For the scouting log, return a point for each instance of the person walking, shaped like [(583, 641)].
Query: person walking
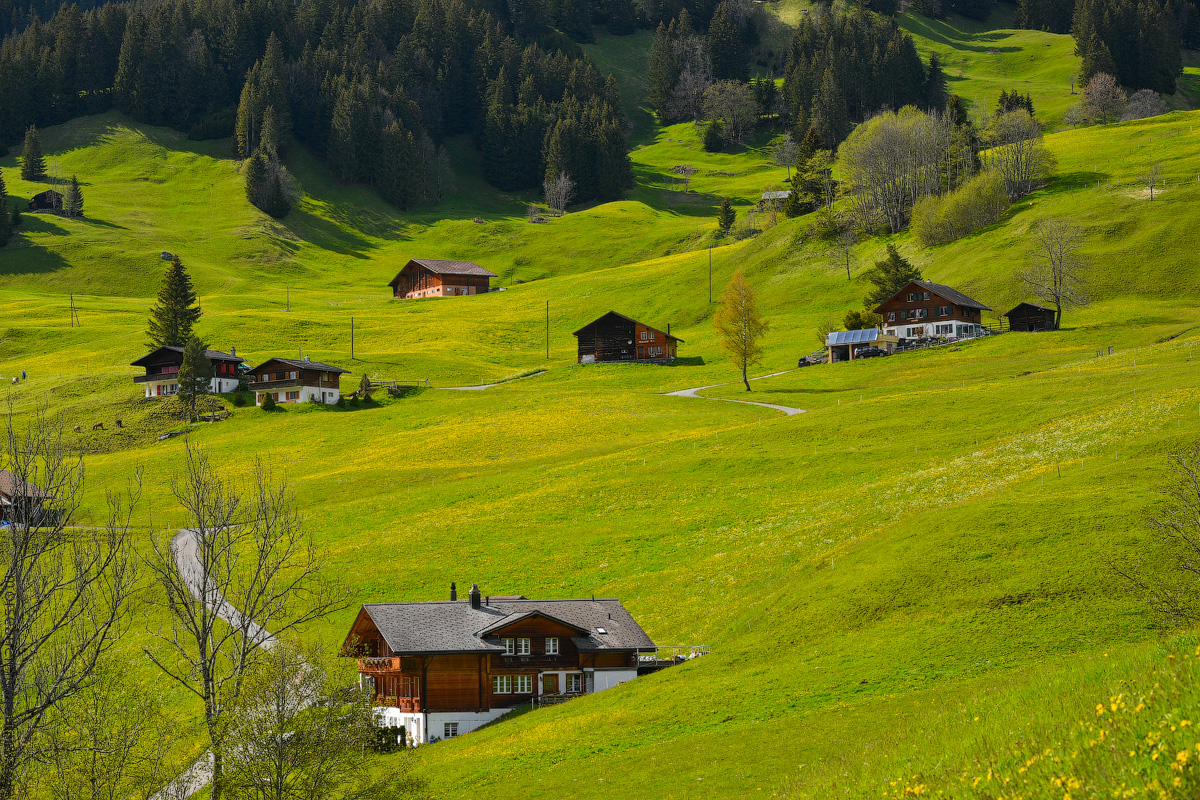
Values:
[(23, 375)]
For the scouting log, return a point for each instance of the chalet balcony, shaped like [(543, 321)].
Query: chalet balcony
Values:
[(379, 664), (158, 376), (272, 386), (408, 704)]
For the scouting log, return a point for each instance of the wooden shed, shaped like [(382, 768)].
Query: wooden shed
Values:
[(616, 337), (1031, 317), (49, 200)]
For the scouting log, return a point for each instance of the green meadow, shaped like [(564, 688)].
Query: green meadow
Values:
[(908, 588)]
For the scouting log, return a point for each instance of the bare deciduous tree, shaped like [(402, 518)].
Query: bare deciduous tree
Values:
[(1075, 115), (244, 569), (1152, 177), (739, 325), (1105, 97), (1144, 103), (695, 76), (305, 731), (1057, 273), (63, 592), (1175, 591), (786, 153), (559, 191), (733, 103), (1016, 152), (842, 252)]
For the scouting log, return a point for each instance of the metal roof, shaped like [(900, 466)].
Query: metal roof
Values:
[(446, 267), (853, 337), (452, 626), (783, 195)]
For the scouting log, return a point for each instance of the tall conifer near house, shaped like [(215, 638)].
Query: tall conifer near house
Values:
[(33, 164), (177, 309), (195, 374), (73, 202), (6, 226)]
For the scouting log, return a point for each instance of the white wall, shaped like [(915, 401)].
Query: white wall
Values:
[(414, 724), (218, 385), (608, 678)]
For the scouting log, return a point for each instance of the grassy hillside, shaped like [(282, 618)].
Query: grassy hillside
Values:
[(908, 584)]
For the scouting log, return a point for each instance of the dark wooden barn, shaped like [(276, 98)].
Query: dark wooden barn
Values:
[(1031, 317), (616, 337), (49, 200)]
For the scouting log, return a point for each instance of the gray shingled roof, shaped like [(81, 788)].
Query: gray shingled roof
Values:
[(12, 486), (299, 364), (452, 626), (447, 267), (953, 295), (1038, 306), (211, 355)]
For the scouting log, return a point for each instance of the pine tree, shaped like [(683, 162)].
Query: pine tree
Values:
[(195, 374), (793, 206), (172, 317), (6, 223), (935, 85), (73, 203), (725, 216), (889, 276), (829, 114), (1096, 59), (33, 165), (662, 72), (256, 176)]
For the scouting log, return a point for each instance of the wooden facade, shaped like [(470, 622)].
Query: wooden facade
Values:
[(1031, 317), (616, 337), (162, 371), (429, 277), (923, 309), (468, 662), (290, 380), (49, 200)]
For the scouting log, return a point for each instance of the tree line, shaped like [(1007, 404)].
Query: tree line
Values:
[(375, 87)]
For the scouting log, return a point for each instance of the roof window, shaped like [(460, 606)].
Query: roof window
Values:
[(601, 630)]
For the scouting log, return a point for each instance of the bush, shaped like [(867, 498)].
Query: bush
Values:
[(1143, 104), (714, 137), (268, 403), (976, 204), (239, 400)]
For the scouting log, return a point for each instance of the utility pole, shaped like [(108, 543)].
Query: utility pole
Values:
[(352, 338), (547, 330), (74, 313), (289, 298)]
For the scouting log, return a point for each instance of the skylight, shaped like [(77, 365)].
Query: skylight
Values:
[(601, 630)]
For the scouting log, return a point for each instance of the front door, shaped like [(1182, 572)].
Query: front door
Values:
[(549, 684)]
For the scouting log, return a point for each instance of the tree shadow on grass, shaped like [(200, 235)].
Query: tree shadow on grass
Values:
[(20, 257), (323, 233), (943, 33)]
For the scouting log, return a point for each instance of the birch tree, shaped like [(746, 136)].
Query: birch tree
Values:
[(243, 570)]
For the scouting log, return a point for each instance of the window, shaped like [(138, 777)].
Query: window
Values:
[(551, 645), (891, 316), (601, 630), (508, 647), (922, 313), (501, 684), (643, 336), (575, 683), (522, 647), (924, 295), (292, 375), (524, 684), (912, 296), (652, 336), (293, 395), (450, 729), (943, 311)]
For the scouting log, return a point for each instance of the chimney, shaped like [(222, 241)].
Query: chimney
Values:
[(453, 592), (233, 351), (668, 329), (306, 358), (474, 595)]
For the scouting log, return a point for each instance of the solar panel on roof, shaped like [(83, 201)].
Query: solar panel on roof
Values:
[(853, 337)]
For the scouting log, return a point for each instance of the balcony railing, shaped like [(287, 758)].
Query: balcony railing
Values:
[(408, 704), (379, 664)]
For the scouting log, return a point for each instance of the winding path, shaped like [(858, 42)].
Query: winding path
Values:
[(695, 393), (483, 386), (183, 547)]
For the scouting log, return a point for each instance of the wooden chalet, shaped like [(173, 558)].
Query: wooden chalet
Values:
[(924, 310), (162, 370), (441, 669), (432, 277), (290, 380), (616, 337), (1031, 317), (20, 501), (49, 200)]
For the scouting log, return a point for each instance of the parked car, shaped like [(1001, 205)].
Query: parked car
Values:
[(870, 352), (806, 362)]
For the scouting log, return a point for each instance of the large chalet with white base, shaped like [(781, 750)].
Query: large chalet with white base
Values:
[(162, 371), (441, 669), (291, 380), (927, 310)]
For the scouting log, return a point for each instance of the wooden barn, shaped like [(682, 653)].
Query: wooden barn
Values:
[(1031, 317), (433, 277), (49, 200), (616, 337), (20, 501), (440, 669)]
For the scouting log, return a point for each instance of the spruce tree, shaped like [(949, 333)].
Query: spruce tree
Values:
[(662, 72), (33, 164), (829, 114), (172, 317), (890, 275), (935, 85), (725, 47), (195, 374), (73, 203), (725, 216), (256, 176)]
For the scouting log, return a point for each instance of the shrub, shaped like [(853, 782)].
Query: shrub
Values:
[(268, 403), (978, 203), (1144, 103), (714, 136), (239, 400)]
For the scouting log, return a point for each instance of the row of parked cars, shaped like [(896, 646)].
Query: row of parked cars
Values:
[(866, 351)]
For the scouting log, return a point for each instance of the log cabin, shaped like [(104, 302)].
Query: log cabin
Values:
[(49, 200), (20, 500), (616, 337), (290, 380), (162, 371), (1031, 317), (440, 669), (433, 277), (924, 310)]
